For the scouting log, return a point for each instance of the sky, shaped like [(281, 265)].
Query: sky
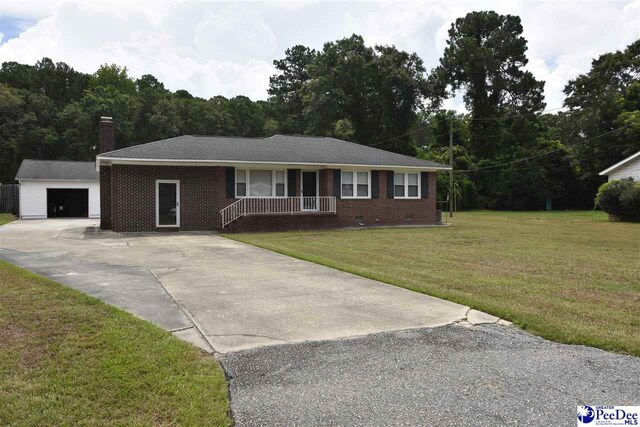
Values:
[(227, 48)]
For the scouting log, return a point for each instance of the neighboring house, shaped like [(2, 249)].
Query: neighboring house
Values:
[(256, 184), (628, 168), (55, 189)]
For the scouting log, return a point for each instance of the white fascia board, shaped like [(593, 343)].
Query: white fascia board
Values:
[(57, 180), (243, 163), (617, 165)]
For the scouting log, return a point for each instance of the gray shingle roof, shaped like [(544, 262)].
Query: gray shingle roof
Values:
[(278, 148), (57, 169)]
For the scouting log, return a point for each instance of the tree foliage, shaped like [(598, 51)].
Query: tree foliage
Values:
[(508, 153), (51, 111), (286, 87), (485, 56), (606, 100), (350, 90)]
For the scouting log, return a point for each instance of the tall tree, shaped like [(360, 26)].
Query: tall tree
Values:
[(402, 87), (152, 124), (364, 94), (485, 56), (285, 87), (606, 100), (19, 76), (341, 87), (26, 129), (247, 116), (58, 80), (79, 121), (114, 76)]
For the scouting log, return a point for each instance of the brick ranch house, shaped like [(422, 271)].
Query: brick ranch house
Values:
[(259, 184)]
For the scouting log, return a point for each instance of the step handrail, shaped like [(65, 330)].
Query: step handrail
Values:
[(234, 211)]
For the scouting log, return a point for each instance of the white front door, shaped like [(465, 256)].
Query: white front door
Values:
[(167, 203)]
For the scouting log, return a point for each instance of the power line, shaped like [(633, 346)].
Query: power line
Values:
[(472, 119), (410, 133), (516, 115), (548, 162), (541, 162), (547, 153)]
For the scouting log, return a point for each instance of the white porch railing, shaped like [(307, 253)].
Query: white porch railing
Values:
[(248, 206)]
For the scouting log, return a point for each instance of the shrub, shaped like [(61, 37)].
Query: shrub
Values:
[(630, 200), (620, 198)]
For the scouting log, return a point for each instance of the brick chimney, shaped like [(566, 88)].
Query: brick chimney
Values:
[(106, 135)]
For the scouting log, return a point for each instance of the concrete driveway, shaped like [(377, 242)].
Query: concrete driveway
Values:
[(238, 296), (353, 351)]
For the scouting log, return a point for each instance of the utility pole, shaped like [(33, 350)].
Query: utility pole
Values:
[(451, 165)]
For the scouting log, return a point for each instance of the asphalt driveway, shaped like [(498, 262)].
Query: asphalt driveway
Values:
[(487, 375)]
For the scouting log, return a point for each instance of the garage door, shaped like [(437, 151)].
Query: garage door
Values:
[(67, 202)]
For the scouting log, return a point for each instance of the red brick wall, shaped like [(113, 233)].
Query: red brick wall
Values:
[(326, 182), (105, 197), (314, 221), (106, 136), (203, 195), (382, 211), (133, 196)]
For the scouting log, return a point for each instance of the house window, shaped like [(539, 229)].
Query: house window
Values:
[(412, 185), (241, 183), (260, 183), (406, 185), (347, 184), (398, 185), (280, 191), (362, 184), (356, 185)]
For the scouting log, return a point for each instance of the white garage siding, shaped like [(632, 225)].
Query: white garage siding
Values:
[(33, 196), (628, 170)]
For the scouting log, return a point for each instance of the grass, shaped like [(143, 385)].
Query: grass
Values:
[(69, 359), (6, 218), (572, 277)]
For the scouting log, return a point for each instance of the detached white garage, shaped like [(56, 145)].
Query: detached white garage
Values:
[(58, 189), (628, 168)]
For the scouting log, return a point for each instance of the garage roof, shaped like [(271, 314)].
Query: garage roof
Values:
[(622, 163), (278, 149), (57, 170)]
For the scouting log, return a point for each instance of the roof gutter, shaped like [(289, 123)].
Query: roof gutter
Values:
[(196, 162)]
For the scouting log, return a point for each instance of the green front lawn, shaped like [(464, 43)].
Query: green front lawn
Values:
[(69, 359), (572, 277), (6, 218)]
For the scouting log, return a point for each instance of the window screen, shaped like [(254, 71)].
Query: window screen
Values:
[(260, 183)]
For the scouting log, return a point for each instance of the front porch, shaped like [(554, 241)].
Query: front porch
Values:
[(274, 206)]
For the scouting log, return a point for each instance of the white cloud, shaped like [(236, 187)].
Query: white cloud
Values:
[(27, 9), (234, 34), (564, 38), (218, 58), (212, 48)]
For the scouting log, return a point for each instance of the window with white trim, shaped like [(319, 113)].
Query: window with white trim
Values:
[(241, 183), (406, 185), (261, 183), (280, 184), (356, 185)]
